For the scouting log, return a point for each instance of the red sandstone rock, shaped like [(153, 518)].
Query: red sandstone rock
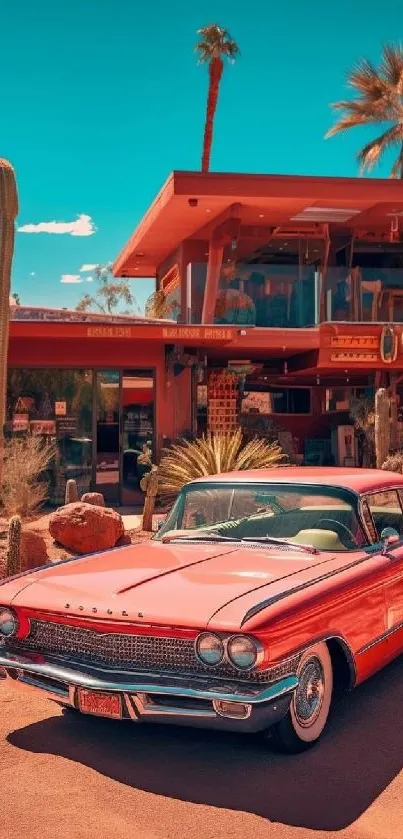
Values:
[(84, 528), (95, 498), (33, 550)]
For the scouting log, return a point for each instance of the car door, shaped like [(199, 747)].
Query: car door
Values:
[(386, 511)]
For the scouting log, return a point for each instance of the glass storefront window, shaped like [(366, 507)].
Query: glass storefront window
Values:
[(57, 404), (296, 400)]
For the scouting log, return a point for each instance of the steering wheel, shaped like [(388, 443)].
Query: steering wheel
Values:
[(339, 526)]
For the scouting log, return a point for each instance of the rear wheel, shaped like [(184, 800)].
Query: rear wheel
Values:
[(310, 705)]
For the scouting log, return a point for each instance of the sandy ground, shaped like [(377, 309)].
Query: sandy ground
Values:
[(73, 777)]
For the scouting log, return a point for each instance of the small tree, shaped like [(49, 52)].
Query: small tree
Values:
[(110, 295)]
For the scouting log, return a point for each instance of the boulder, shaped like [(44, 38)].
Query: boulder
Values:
[(85, 528), (33, 550), (95, 498)]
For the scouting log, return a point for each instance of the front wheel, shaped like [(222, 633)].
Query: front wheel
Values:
[(310, 705)]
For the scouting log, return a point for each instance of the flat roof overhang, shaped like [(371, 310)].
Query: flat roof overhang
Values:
[(266, 200)]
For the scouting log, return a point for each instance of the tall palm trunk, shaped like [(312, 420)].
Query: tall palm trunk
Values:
[(216, 67), (8, 212)]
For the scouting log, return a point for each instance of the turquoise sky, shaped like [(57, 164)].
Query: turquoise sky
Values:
[(100, 100)]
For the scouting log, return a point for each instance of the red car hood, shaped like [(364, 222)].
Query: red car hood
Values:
[(176, 584)]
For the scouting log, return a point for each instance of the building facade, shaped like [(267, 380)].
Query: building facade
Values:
[(279, 308), (303, 277)]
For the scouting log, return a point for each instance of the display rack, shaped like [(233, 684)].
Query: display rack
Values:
[(223, 402)]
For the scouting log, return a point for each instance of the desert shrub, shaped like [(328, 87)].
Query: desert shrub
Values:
[(24, 486), (394, 462), (211, 454)]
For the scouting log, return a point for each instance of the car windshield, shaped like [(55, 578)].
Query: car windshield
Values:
[(323, 517)]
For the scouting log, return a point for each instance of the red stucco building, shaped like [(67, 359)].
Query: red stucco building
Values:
[(280, 301)]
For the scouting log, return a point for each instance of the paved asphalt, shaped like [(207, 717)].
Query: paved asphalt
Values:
[(68, 777)]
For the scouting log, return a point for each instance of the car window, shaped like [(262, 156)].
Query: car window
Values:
[(321, 516), (386, 511)]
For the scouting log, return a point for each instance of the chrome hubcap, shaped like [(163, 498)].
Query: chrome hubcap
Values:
[(309, 695)]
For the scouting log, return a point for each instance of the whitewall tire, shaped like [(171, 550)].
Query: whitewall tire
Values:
[(310, 704)]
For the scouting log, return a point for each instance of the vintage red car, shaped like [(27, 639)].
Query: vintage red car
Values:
[(263, 595)]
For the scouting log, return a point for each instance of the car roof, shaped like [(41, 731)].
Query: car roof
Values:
[(358, 480)]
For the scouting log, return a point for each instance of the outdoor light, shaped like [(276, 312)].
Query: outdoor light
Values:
[(209, 649), (8, 623), (243, 652)]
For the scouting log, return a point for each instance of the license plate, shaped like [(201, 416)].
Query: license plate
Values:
[(100, 704)]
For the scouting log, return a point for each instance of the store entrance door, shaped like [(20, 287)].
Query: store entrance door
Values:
[(137, 437), (107, 395), (124, 431)]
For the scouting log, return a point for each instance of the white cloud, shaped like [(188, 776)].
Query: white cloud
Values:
[(85, 268), (70, 278), (82, 226), (33, 274)]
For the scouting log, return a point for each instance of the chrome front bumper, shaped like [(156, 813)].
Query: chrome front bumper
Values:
[(157, 697)]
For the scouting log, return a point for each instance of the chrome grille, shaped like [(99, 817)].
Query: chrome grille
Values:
[(131, 652)]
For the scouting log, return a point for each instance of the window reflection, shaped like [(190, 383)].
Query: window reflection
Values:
[(56, 404)]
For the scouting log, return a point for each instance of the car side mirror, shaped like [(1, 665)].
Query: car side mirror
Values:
[(389, 537)]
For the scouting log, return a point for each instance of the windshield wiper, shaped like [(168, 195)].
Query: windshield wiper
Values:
[(270, 540), (197, 535), (207, 536)]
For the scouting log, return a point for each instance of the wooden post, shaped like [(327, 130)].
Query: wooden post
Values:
[(221, 236), (394, 436), (149, 501), (382, 426), (214, 264)]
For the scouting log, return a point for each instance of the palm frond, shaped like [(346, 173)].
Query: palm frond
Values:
[(366, 79), (215, 42), (379, 100), (392, 65), (371, 154)]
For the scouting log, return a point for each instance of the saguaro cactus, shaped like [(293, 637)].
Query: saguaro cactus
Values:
[(71, 492), (13, 556), (382, 426), (8, 212)]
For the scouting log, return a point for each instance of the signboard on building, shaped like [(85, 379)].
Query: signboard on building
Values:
[(43, 427), (60, 409), (66, 426), (20, 422)]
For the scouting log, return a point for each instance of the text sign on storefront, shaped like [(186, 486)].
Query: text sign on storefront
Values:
[(109, 332), (354, 348), (66, 426), (196, 333)]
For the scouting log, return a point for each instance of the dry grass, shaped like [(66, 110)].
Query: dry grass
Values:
[(24, 488), (394, 462), (212, 454)]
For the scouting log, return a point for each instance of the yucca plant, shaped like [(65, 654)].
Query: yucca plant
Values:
[(211, 454)]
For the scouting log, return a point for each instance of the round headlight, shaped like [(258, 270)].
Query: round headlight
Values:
[(8, 623), (242, 652), (209, 649)]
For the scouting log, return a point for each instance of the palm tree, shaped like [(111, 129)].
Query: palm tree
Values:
[(379, 102), (215, 42)]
